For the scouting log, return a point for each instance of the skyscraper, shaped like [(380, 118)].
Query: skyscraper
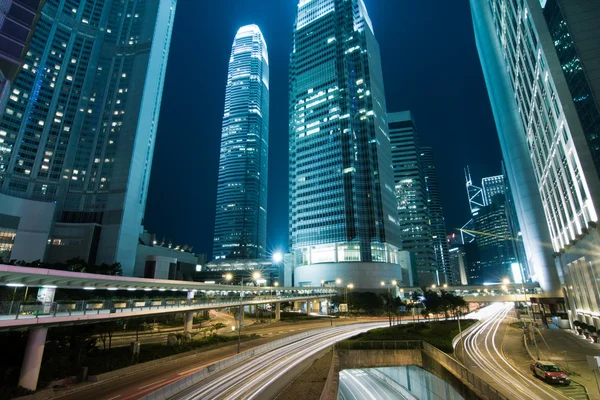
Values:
[(241, 217), (529, 119), (542, 72), (411, 195), (436, 217), (491, 186), (343, 218), (80, 125)]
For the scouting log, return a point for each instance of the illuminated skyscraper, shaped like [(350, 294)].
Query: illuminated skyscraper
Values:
[(411, 194), (343, 219), (80, 125), (241, 217), (436, 217), (540, 63)]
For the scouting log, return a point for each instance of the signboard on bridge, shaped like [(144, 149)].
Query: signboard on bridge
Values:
[(343, 307)]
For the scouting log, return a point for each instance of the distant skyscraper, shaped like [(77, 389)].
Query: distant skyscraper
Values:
[(80, 125), (494, 242), (411, 193), (436, 216), (241, 217), (343, 219), (540, 63), (491, 186)]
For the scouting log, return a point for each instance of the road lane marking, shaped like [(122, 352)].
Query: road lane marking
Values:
[(153, 383), (116, 397), (192, 369)]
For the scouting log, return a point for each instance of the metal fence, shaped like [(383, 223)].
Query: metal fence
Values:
[(380, 345), (29, 309), (462, 372)]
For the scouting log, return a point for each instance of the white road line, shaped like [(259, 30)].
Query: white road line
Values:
[(116, 397), (192, 369), (153, 383)]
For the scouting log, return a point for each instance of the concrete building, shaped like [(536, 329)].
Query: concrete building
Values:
[(343, 218), (436, 217), (80, 125), (241, 216), (411, 195), (161, 260), (541, 65)]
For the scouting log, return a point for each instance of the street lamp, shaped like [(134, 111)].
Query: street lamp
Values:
[(433, 286), (276, 284), (228, 277), (277, 257), (389, 299)]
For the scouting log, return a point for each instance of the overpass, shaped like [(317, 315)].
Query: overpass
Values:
[(37, 317)]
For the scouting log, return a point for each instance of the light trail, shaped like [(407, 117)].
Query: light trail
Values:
[(481, 350), (249, 379)]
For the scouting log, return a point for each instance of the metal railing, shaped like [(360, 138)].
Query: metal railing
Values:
[(28, 309), (380, 345), (462, 372)]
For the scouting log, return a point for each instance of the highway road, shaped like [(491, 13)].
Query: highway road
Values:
[(139, 384), (485, 357), (252, 378), (361, 384)]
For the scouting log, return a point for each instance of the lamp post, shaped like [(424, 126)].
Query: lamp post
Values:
[(350, 286), (393, 282), (507, 282), (229, 277)]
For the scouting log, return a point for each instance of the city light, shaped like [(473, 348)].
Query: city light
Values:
[(277, 257), (228, 276), (256, 275), (338, 281), (276, 284)]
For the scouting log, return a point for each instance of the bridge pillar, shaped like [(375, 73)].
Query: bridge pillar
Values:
[(240, 317), (316, 306), (307, 307), (189, 321), (30, 369), (296, 306), (326, 307), (277, 311)]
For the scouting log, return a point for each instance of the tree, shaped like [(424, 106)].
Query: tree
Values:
[(392, 305), (106, 330)]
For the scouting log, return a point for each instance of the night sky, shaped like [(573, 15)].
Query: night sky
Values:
[(430, 66)]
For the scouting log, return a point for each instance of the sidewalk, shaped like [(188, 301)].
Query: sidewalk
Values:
[(554, 342)]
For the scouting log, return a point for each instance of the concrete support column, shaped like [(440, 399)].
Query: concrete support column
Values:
[(277, 311), (30, 369), (326, 307), (296, 306), (316, 306), (307, 307), (189, 321)]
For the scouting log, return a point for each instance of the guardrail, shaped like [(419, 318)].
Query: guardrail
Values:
[(380, 345), (21, 309), (462, 372)]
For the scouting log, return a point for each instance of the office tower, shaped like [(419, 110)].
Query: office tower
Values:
[(343, 219), (80, 125), (411, 193), (491, 186), (436, 217), (241, 217), (540, 65), (494, 242)]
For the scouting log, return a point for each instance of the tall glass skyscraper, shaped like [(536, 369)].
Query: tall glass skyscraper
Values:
[(241, 217), (80, 125), (411, 194), (343, 219), (540, 63), (436, 217)]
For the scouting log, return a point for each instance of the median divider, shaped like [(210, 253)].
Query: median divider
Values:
[(181, 385)]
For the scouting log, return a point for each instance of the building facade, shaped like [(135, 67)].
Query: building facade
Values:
[(343, 218), (410, 186), (515, 47), (447, 274), (491, 186), (80, 125), (241, 216)]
